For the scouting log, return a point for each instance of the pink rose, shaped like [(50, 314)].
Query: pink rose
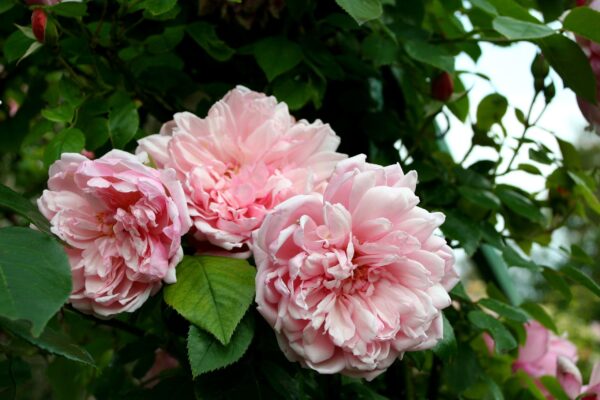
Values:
[(247, 156), (592, 390), (569, 378), (352, 279), (123, 222), (591, 112), (539, 355)]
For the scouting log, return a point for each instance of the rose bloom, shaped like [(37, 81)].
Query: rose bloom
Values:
[(244, 158), (591, 112), (569, 378), (352, 279), (592, 390), (123, 224), (539, 355)]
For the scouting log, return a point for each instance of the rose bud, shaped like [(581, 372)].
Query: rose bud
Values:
[(39, 20), (442, 87)]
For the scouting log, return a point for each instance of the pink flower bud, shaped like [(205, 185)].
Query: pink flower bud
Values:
[(87, 153), (568, 376), (442, 87), (38, 24)]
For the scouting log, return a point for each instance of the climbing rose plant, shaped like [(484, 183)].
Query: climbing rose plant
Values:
[(257, 199)]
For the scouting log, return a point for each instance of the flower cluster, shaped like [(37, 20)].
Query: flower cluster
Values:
[(351, 272), (546, 354)]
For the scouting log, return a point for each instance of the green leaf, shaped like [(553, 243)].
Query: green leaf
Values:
[(27, 31), (491, 110), (462, 228), (70, 140), (276, 55), (6, 5), (584, 21), (522, 379), (35, 276), (552, 9), (446, 347), (156, 7), (165, 41), (212, 293), (485, 5), (571, 157), (463, 370), (481, 197), (70, 9), (62, 113), (538, 313), (554, 387), (123, 119), (15, 202), (583, 189), (581, 278), (515, 29), (540, 155), (505, 310), (430, 54), (16, 45), (530, 168), (519, 203), (96, 132), (511, 8), (504, 340), (52, 341), (500, 271), (206, 36), (459, 105), (381, 49), (556, 281), (579, 255), (514, 259), (362, 10), (207, 354), (569, 61), (294, 92)]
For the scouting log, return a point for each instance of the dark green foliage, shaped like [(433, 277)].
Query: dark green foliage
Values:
[(112, 72)]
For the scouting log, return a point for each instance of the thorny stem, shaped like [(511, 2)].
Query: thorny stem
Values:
[(527, 124), (470, 37), (468, 153), (408, 382), (99, 27), (80, 81), (434, 380), (113, 323)]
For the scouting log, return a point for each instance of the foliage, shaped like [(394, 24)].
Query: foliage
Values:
[(111, 72)]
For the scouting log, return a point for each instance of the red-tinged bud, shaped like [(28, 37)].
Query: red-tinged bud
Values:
[(38, 24), (442, 87), (563, 191), (87, 153), (580, 2)]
